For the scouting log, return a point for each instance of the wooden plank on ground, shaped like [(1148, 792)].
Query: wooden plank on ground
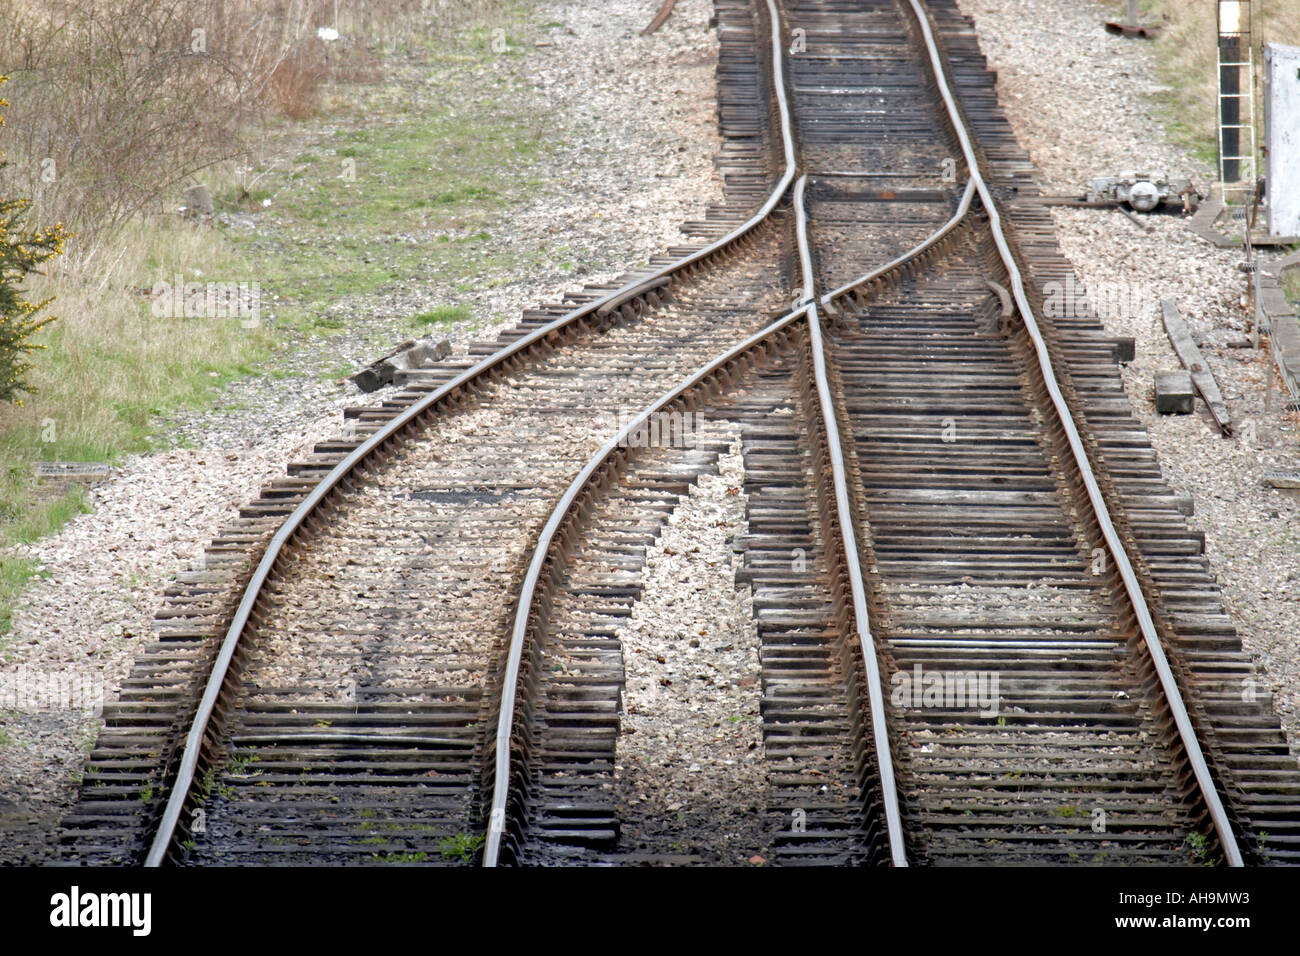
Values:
[(1191, 357), (664, 12)]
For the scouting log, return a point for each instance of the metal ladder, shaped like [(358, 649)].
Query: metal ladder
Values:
[(1236, 82)]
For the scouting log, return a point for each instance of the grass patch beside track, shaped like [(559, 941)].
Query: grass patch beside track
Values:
[(399, 179), (1185, 51), (410, 184)]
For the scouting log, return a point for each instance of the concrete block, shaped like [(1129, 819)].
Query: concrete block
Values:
[(1175, 394)]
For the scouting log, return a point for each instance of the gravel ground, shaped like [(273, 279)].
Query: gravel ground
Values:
[(690, 751), (626, 103), (1059, 74)]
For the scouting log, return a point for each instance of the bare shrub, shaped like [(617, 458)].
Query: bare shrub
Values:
[(116, 102), (293, 86), (113, 100)]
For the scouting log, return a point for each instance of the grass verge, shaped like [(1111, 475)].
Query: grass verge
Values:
[(14, 573), (397, 180), (109, 367), (1185, 53), (407, 185)]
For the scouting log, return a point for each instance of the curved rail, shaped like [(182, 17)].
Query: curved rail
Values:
[(519, 633), (1168, 682), (541, 551), (848, 538), (221, 667)]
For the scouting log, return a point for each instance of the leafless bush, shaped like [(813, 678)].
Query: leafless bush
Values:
[(115, 102), (112, 100)]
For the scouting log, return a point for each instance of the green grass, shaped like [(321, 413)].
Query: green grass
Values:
[(108, 367), (1186, 62), (14, 573), (461, 846), (419, 857), (235, 196), (443, 315), (408, 185), (441, 173), (53, 513), (437, 164), (1291, 284)]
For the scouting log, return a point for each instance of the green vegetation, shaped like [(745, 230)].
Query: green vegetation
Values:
[(402, 857), (1291, 284), (461, 846), (443, 315), (14, 573), (403, 180), (1200, 849), (242, 765), (21, 253), (109, 368), (1185, 51), (417, 192)]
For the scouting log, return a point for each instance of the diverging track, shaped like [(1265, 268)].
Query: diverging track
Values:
[(981, 631), (354, 661), (1037, 693)]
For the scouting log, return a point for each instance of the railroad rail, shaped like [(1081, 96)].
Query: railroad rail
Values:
[(730, 364), (519, 793), (627, 304), (636, 290), (1040, 547), (1065, 415)]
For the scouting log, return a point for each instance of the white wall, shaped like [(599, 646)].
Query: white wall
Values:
[(1282, 112)]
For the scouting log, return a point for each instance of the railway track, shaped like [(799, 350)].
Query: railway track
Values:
[(417, 644), (390, 696)]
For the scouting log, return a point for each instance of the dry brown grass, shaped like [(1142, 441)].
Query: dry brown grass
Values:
[(116, 103), (1186, 47), (112, 92)]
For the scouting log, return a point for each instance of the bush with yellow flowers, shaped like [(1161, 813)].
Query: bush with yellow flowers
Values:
[(21, 254)]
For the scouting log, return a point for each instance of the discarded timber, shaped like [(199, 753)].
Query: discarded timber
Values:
[(1194, 362)]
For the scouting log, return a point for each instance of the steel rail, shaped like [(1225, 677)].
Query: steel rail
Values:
[(541, 551), (180, 788), (519, 632), (848, 538), (1168, 682)]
